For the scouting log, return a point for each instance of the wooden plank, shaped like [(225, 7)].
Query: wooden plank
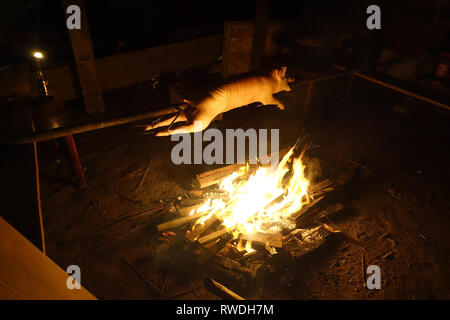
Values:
[(85, 61), (26, 273)]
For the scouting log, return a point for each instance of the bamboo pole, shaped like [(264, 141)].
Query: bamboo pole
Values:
[(89, 126), (395, 88)]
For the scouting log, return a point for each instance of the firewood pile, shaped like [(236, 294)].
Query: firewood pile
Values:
[(215, 252)]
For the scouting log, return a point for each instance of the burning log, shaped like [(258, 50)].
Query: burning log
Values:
[(213, 250), (185, 211), (318, 187), (306, 208), (275, 194), (179, 222), (199, 229), (213, 177), (212, 236), (266, 239), (231, 251)]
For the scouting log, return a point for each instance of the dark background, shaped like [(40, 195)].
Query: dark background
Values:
[(121, 26)]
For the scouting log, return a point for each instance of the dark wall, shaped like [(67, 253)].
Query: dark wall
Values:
[(119, 26)]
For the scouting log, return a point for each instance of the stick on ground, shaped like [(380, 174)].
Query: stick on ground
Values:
[(225, 290), (141, 182)]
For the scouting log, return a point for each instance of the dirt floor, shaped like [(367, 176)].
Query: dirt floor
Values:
[(396, 207)]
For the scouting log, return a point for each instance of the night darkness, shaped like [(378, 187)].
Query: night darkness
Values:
[(115, 157)]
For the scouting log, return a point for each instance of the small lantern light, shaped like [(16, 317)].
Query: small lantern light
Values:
[(38, 55)]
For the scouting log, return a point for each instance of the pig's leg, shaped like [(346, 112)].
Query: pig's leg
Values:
[(272, 100), (167, 122), (195, 126)]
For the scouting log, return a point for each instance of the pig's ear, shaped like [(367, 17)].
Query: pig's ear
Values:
[(279, 74)]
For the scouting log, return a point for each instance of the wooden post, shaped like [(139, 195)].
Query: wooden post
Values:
[(259, 33), (237, 48), (38, 194), (348, 89), (85, 60), (76, 160), (309, 92)]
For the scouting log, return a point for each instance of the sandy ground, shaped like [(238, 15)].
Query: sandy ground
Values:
[(397, 205)]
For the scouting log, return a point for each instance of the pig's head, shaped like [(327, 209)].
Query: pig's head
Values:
[(281, 80)]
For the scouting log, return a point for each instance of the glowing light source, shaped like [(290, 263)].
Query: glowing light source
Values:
[(38, 55), (262, 202)]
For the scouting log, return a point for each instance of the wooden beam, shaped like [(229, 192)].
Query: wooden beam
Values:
[(85, 61), (129, 68)]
